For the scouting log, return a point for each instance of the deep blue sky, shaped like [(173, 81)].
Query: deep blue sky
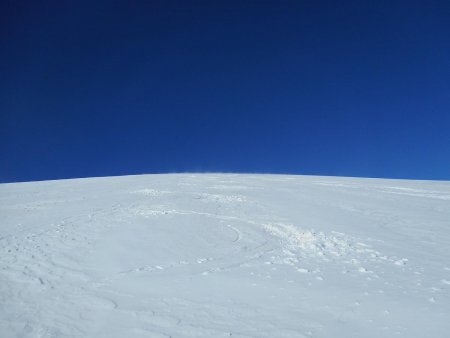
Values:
[(353, 88)]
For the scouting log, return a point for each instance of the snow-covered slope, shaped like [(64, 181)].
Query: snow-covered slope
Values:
[(218, 255)]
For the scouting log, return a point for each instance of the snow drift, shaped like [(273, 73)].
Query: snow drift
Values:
[(219, 255)]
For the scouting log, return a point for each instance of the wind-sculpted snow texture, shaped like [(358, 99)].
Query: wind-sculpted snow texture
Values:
[(220, 255)]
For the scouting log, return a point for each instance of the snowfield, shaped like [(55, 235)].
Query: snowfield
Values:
[(220, 255)]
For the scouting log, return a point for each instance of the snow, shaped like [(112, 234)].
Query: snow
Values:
[(220, 255)]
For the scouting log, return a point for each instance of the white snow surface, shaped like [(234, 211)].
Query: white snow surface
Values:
[(220, 255)]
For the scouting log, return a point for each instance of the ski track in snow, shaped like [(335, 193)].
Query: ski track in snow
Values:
[(219, 255)]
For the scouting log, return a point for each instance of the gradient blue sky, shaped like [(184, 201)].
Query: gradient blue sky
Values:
[(99, 88)]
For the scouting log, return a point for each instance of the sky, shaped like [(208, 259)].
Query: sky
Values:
[(344, 88)]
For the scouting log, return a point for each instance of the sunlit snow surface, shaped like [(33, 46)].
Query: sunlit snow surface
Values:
[(212, 255)]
